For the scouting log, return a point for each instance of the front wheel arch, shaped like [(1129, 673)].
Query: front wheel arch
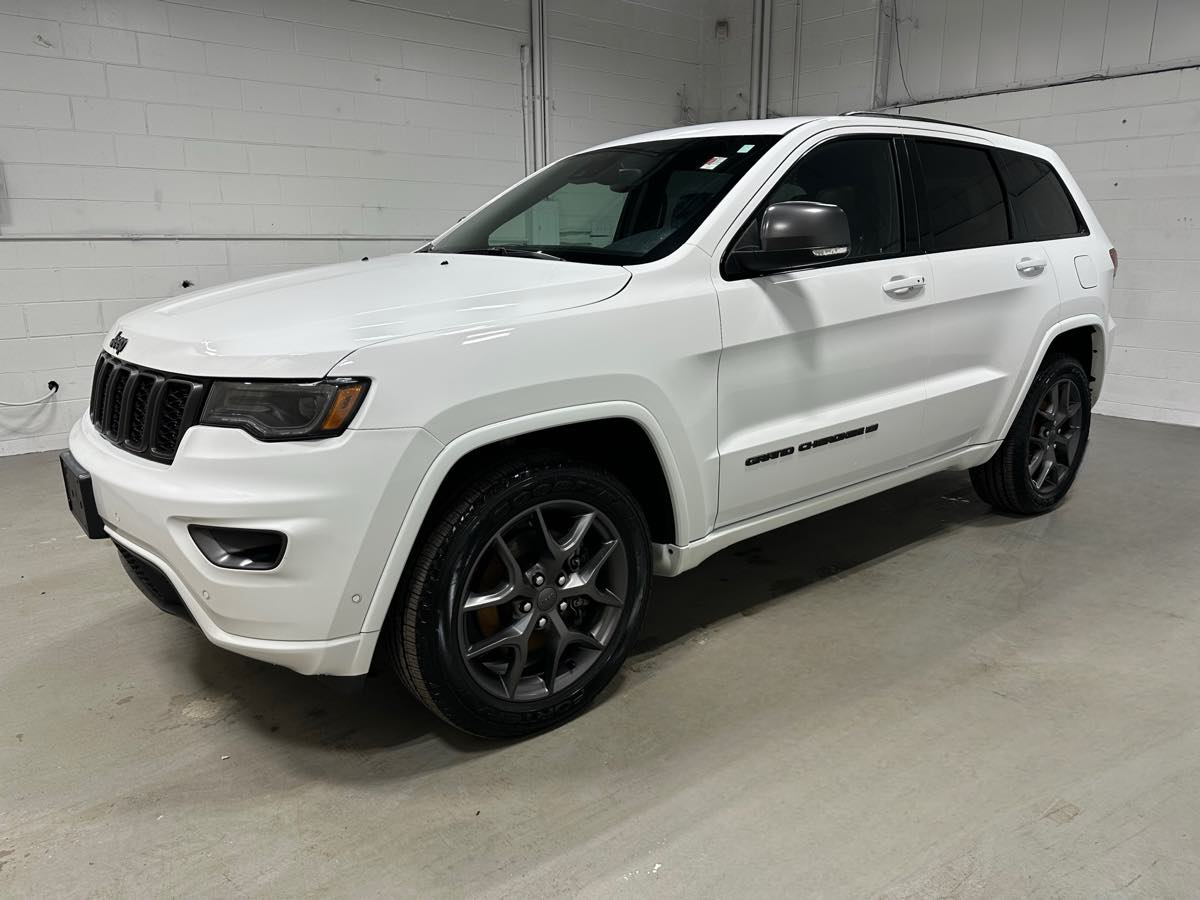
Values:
[(480, 443)]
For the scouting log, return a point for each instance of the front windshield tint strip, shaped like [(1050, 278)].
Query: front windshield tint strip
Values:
[(617, 206)]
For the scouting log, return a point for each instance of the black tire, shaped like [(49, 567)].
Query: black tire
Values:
[(430, 631), (1006, 481)]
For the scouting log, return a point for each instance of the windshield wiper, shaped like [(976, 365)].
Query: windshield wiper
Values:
[(504, 250)]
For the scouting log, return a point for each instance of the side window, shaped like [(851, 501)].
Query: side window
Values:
[(1042, 208), (963, 196), (857, 174)]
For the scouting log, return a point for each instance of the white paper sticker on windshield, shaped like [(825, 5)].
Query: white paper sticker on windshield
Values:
[(714, 162), (745, 148)]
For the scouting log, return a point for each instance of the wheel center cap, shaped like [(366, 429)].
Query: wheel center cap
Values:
[(546, 599)]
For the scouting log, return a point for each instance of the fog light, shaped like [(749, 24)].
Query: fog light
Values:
[(239, 548)]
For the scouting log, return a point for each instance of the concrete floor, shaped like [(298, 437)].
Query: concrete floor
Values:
[(908, 697)]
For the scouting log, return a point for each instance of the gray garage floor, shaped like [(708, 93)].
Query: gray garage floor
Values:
[(909, 697)]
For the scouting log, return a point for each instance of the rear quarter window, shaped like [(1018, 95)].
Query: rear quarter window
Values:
[(1042, 207)]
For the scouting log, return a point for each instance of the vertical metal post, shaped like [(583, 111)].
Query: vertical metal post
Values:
[(764, 61), (527, 105), (755, 55), (796, 26), (538, 89), (760, 59)]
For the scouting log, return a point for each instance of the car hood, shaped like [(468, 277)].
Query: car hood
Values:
[(300, 324)]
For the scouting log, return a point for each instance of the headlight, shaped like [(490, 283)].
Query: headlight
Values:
[(285, 411)]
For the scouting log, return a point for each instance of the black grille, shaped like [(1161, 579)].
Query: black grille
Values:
[(141, 410), (153, 583)]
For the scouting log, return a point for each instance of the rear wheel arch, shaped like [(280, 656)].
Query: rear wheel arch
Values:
[(1080, 336), (1086, 344)]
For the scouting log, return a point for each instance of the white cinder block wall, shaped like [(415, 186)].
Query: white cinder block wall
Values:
[(831, 70), (260, 135), (726, 61), (1131, 137), (834, 70), (621, 68), (1132, 141)]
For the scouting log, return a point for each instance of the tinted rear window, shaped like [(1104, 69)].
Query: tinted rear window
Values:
[(1042, 208), (964, 199)]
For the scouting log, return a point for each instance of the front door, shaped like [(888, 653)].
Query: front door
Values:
[(822, 375)]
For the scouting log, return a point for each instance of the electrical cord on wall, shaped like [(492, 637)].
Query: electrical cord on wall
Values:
[(53, 385)]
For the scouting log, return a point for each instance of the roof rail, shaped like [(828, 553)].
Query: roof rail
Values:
[(882, 115)]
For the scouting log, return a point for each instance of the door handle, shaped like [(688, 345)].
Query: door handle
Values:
[(1031, 265), (902, 284)]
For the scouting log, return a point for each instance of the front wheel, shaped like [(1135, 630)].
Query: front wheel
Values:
[(524, 597), (1038, 460)]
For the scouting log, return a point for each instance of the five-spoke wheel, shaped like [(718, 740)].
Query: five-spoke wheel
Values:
[(1054, 437), (542, 600), (1036, 463), (523, 596)]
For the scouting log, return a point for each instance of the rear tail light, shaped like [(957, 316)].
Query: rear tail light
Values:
[(1112, 254)]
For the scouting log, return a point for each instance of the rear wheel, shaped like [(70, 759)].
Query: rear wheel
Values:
[(1038, 460), (524, 598)]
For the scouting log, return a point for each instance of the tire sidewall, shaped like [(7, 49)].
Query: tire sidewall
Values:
[(437, 636)]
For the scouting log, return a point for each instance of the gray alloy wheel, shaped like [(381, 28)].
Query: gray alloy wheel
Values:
[(523, 596), (1039, 459), (1054, 439), (542, 600)]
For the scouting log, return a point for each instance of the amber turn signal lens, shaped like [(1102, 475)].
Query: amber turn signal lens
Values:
[(343, 406)]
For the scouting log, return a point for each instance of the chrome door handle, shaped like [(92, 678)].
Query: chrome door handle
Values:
[(902, 284), (1031, 265)]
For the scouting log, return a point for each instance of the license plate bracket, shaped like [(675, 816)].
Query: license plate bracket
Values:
[(80, 497)]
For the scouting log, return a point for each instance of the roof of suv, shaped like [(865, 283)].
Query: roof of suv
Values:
[(784, 124)]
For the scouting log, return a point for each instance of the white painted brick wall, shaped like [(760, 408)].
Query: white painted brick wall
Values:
[(726, 87), (1132, 143), (836, 63), (354, 123), (622, 67), (831, 70), (954, 47)]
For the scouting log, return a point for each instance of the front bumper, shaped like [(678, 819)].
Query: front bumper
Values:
[(339, 501)]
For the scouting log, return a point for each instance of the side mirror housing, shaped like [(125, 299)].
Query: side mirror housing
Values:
[(794, 234)]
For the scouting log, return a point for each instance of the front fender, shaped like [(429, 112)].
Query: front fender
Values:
[(487, 435)]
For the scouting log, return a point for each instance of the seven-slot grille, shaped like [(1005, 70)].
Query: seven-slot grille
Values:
[(141, 410)]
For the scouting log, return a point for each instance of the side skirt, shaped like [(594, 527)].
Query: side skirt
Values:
[(672, 559)]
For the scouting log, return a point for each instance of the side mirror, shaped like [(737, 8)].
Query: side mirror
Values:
[(794, 234)]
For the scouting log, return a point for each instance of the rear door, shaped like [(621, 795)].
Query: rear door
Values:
[(1044, 211), (995, 295), (821, 381)]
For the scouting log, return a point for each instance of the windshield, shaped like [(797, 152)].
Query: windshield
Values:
[(620, 205)]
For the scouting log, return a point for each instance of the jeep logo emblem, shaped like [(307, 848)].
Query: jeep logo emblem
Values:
[(546, 599), (118, 342)]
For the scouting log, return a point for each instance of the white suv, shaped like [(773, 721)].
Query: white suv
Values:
[(468, 461)]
